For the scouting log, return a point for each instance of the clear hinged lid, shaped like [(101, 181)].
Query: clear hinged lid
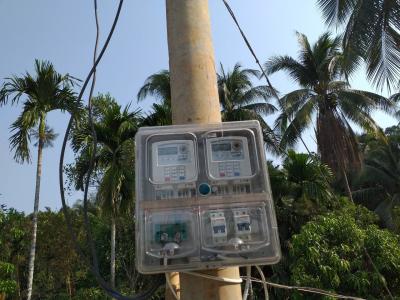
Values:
[(170, 233)]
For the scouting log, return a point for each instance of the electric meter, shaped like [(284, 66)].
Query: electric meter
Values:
[(228, 158), (203, 199), (173, 161)]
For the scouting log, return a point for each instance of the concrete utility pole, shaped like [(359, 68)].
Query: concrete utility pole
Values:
[(195, 100)]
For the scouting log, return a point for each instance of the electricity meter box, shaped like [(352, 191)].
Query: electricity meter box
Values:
[(203, 198)]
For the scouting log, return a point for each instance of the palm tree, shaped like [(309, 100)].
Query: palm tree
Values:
[(378, 185), (301, 187), (371, 32), (115, 130), (304, 173), (239, 99), (301, 190), (324, 94), (45, 91), (158, 86)]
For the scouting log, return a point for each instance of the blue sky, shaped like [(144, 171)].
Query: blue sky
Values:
[(63, 32)]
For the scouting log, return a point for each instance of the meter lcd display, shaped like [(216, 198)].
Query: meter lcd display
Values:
[(225, 152), (167, 151), (221, 147)]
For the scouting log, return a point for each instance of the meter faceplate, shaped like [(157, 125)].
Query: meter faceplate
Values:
[(173, 162), (228, 158), (203, 199)]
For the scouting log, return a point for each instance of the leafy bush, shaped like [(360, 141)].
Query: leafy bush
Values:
[(90, 293), (329, 254), (7, 285)]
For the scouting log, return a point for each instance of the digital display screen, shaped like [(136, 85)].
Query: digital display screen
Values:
[(221, 147), (227, 150), (167, 151)]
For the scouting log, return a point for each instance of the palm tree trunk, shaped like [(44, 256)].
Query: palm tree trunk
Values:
[(32, 251), (113, 235), (336, 144), (347, 185)]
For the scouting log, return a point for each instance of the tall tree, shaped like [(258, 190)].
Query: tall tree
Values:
[(371, 33), (327, 96), (115, 129), (43, 92)]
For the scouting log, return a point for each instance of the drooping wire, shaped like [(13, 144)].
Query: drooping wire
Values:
[(232, 14), (94, 145), (305, 289), (169, 285), (274, 93), (260, 271), (275, 285), (94, 267), (248, 283), (216, 278)]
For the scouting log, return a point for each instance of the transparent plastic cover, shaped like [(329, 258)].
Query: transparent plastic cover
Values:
[(203, 198)]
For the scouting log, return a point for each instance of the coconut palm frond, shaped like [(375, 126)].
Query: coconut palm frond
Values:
[(47, 138), (301, 120), (371, 34), (156, 85)]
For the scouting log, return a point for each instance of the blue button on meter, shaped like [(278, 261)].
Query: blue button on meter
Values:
[(204, 189)]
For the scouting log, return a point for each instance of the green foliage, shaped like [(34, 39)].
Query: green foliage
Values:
[(324, 94), (239, 98), (59, 271), (378, 185), (7, 285), (45, 91), (329, 253), (15, 229), (301, 189), (158, 86), (91, 293), (371, 33), (115, 129)]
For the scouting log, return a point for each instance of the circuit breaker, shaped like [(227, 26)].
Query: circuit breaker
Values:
[(203, 198)]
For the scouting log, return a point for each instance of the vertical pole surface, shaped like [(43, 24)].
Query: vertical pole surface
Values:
[(191, 61), (195, 100)]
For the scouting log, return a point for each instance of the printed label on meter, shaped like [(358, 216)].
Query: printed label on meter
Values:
[(228, 158), (173, 162)]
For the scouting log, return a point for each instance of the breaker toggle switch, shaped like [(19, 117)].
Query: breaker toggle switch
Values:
[(218, 227), (242, 223)]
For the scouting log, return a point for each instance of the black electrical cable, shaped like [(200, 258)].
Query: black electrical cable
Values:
[(94, 268), (275, 94), (94, 150)]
